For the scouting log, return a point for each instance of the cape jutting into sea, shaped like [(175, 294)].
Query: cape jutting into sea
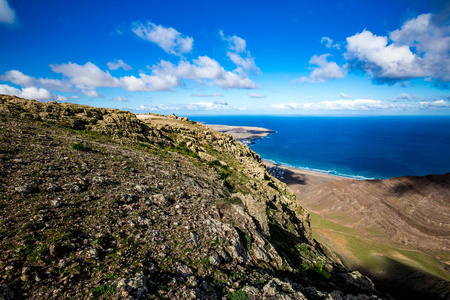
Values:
[(357, 147)]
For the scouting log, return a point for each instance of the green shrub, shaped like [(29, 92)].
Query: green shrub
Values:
[(103, 289), (238, 295), (81, 147)]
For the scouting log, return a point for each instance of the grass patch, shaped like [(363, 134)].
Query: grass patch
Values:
[(238, 295), (357, 251), (81, 147), (103, 289)]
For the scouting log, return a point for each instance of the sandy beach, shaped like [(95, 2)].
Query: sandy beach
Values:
[(301, 181)]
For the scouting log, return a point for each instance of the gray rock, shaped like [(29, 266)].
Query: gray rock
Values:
[(61, 263), (24, 189), (136, 285), (215, 260), (143, 188), (104, 181), (184, 270), (92, 253), (192, 281), (9, 268), (161, 199), (56, 202), (358, 280), (206, 157), (53, 188), (73, 187), (127, 198)]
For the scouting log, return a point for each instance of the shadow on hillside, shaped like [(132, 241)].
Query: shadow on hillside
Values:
[(290, 176), (405, 282)]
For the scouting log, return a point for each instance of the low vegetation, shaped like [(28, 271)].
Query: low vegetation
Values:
[(98, 204)]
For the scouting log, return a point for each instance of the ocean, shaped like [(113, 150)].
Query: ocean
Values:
[(356, 147)]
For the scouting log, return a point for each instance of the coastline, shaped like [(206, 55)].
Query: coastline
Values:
[(249, 134), (302, 181)]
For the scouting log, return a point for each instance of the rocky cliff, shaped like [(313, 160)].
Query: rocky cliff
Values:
[(96, 203)]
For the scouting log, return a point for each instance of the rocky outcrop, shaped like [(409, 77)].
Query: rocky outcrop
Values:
[(97, 204)]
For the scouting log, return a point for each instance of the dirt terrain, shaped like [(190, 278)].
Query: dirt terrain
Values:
[(396, 230)]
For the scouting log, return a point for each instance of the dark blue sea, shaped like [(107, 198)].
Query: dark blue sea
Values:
[(357, 147)]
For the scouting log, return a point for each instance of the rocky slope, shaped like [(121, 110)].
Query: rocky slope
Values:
[(96, 204)]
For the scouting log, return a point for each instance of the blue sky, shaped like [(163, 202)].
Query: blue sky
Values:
[(230, 57)]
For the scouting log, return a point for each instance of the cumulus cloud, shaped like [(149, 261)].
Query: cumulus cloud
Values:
[(18, 78), (196, 106), (438, 104), (87, 76), (221, 102), (329, 43), (382, 61), (164, 76), (118, 64), (420, 48), (7, 14), (205, 70), (345, 96), (337, 105), (363, 105), (239, 55), (120, 99), (31, 93), (235, 43), (207, 95), (91, 93), (256, 95), (324, 71), (168, 38)]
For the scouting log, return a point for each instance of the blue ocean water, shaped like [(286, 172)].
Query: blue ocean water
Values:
[(358, 147)]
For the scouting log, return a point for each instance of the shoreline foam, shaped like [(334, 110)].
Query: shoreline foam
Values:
[(318, 171)]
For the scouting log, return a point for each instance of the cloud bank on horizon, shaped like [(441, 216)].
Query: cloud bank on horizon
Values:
[(405, 70)]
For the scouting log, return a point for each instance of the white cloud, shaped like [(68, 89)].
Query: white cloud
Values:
[(167, 38), (164, 76), (324, 71), (380, 60), (31, 93), (256, 95), (438, 104), (244, 65), (197, 106), (404, 96), (345, 96), (207, 95), (18, 78), (87, 76), (419, 49), (90, 93), (205, 70), (235, 43), (329, 43), (120, 99), (337, 105), (238, 54), (221, 102), (7, 14), (118, 64)]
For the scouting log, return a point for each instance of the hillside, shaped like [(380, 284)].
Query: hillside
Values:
[(96, 204), (396, 230)]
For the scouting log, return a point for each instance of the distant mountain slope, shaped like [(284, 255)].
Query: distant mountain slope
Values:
[(409, 210), (395, 230), (96, 204)]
